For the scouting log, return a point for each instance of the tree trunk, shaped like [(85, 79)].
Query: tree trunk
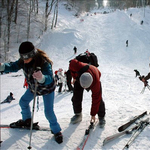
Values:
[(29, 22), (37, 6), (16, 12), (56, 14), (10, 8), (48, 10)]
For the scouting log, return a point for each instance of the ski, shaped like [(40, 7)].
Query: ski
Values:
[(25, 128), (86, 136), (140, 128), (126, 125), (115, 136)]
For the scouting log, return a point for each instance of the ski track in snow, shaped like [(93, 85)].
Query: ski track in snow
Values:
[(105, 35)]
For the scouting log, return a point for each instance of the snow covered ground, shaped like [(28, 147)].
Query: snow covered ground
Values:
[(105, 35)]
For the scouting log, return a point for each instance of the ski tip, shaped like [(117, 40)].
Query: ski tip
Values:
[(120, 129), (29, 147)]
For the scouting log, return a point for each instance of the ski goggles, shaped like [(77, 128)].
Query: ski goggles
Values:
[(28, 55)]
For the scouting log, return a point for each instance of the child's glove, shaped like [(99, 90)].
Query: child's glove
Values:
[(2, 66), (39, 76)]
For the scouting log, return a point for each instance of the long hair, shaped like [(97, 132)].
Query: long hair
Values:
[(40, 58)]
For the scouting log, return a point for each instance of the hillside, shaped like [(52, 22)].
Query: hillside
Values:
[(105, 35)]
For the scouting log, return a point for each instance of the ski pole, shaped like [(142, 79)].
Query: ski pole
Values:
[(140, 128), (29, 147), (32, 114), (132, 138)]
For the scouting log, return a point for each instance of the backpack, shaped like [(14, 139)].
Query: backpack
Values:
[(89, 58)]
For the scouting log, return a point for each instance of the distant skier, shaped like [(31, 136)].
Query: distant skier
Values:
[(56, 77), (126, 43), (61, 80), (145, 78), (75, 50), (9, 98), (69, 78), (87, 52), (142, 22)]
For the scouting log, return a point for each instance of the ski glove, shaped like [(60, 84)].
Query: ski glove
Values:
[(39, 76), (2, 67), (93, 119)]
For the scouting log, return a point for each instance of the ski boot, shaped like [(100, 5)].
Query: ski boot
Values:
[(24, 124), (76, 118), (102, 122), (58, 137)]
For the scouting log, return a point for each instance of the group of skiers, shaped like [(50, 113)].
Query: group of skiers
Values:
[(37, 68), (63, 80)]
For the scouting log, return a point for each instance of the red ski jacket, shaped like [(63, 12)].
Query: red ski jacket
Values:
[(95, 87)]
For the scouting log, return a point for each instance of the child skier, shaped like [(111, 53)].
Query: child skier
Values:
[(9, 98), (39, 81)]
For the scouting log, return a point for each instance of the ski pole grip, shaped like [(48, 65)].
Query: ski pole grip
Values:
[(38, 69)]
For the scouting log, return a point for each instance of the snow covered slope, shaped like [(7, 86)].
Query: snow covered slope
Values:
[(105, 35)]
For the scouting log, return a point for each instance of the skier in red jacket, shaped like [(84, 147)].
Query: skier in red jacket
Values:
[(87, 77)]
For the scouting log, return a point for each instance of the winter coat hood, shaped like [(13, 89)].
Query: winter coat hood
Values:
[(74, 67)]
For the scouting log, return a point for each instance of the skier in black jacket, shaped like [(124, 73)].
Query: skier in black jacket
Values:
[(69, 78)]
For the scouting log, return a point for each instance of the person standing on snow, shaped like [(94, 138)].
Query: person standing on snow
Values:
[(75, 50), (60, 80), (126, 43), (69, 78), (86, 77), (56, 78), (30, 59)]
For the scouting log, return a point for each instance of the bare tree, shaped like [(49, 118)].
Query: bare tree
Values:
[(16, 12), (0, 26), (33, 10), (21, 19), (54, 20), (3, 3), (29, 20), (10, 9), (37, 6), (48, 9)]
